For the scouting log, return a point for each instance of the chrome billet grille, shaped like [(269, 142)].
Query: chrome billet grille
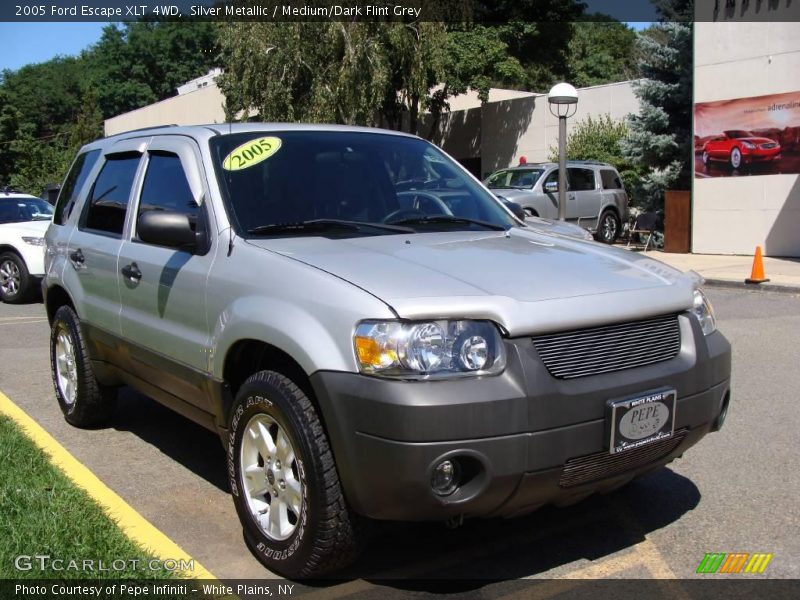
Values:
[(594, 467), (609, 348)]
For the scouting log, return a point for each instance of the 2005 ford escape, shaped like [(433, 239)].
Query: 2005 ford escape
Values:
[(370, 331)]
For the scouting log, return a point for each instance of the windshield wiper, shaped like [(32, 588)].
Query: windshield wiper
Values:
[(324, 225), (448, 219)]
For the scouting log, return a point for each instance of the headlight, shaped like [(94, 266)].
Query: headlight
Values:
[(429, 349), (704, 312), (33, 241), (748, 145)]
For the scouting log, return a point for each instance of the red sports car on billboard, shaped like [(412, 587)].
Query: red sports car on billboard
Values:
[(739, 148)]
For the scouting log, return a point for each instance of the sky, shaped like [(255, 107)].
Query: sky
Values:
[(25, 43)]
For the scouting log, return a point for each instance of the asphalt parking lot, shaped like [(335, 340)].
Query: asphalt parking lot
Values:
[(734, 492)]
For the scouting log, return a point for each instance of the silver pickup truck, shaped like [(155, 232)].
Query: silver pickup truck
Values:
[(370, 331)]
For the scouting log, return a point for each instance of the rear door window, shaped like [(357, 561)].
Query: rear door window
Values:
[(72, 185), (580, 180), (108, 200)]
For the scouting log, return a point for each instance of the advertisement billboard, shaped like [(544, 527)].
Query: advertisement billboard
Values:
[(747, 136)]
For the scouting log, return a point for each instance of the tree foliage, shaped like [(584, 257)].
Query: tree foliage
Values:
[(660, 138), (601, 51), (49, 110), (601, 139)]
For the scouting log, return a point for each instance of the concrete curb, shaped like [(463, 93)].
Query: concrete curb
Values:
[(760, 287)]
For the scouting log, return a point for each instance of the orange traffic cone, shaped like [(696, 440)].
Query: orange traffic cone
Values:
[(757, 274)]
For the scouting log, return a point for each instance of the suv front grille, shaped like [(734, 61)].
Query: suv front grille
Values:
[(600, 465), (609, 348)]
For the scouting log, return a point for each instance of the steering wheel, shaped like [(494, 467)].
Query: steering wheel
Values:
[(417, 198), (401, 214)]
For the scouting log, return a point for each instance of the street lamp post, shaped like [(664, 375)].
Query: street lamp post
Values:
[(563, 100)]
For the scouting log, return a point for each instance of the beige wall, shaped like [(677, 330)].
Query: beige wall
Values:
[(500, 132), (732, 215), (205, 105)]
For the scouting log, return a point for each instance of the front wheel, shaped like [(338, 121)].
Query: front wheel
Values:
[(284, 481), (736, 158), (608, 227)]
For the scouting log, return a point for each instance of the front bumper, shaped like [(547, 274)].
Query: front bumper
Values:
[(517, 435)]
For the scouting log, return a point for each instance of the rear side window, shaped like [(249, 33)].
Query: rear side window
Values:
[(580, 180), (166, 187), (108, 201), (72, 185), (611, 180)]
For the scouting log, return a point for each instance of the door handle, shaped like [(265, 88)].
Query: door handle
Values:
[(132, 272), (77, 258)]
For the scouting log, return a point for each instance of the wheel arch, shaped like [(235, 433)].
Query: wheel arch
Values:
[(251, 355), (55, 298)]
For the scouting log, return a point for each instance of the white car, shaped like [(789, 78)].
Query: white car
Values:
[(23, 222)]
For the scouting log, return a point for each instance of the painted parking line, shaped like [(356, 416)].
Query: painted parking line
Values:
[(22, 320), (132, 524)]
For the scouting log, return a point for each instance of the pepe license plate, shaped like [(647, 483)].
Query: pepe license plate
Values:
[(640, 421)]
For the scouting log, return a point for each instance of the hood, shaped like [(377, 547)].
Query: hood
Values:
[(524, 280), (558, 228), (32, 228), (513, 194), (758, 140)]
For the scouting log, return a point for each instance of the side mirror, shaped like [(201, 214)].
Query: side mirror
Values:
[(551, 187), (515, 208), (167, 228)]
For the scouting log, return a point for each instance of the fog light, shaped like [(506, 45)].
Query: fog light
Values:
[(444, 480)]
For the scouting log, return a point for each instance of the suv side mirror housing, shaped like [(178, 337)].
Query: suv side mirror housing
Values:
[(551, 187), (515, 208), (167, 228)]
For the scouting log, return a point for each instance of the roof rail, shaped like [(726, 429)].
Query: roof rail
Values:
[(588, 162), (142, 129)]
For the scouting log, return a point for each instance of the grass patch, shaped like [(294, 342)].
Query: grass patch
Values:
[(43, 513)]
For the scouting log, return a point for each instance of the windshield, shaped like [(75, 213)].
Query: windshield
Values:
[(20, 210), (343, 183), (514, 178), (738, 133)]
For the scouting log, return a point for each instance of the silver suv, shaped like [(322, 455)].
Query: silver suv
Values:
[(370, 331), (596, 196)]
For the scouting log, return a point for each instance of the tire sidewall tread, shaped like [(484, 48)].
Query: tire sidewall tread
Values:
[(325, 538), (94, 404)]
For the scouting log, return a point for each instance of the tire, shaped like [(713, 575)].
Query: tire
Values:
[(84, 402), (15, 281), (530, 212), (705, 157), (736, 159), (314, 532), (608, 227)]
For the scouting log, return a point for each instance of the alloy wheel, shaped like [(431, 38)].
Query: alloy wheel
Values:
[(609, 228), (66, 369), (270, 477), (736, 158), (9, 278)]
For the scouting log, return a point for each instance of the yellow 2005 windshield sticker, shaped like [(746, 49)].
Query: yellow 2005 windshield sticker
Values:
[(251, 153)]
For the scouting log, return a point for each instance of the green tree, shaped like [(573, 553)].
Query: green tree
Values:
[(601, 139), (355, 73), (141, 62), (601, 51), (660, 138), (38, 162)]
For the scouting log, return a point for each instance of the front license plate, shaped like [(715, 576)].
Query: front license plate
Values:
[(639, 421)]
